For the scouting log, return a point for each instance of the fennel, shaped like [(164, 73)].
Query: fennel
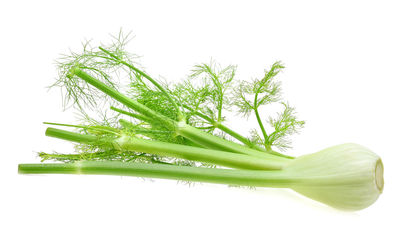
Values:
[(179, 131)]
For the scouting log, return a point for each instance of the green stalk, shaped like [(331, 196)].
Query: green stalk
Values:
[(151, 132), (136, 116), (247, 142), (210, 141), (127, 143), (154, 170), (154, 82), (71, 136), (234, 134), (264, 132), (237, 136), (225, 129), (97, 128), (122, 98)]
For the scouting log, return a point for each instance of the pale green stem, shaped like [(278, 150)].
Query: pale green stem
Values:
[(154, 82), (126, 143), (264, 132), (210, 141), (122, 98), (136, 116), (225, 129), (164, 171)]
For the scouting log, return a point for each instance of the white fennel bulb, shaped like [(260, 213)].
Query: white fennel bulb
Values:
[(347, 176)]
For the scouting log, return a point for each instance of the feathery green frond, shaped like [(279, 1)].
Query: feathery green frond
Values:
[(220, 79), (284, 125), (199, 100), (251, 95)]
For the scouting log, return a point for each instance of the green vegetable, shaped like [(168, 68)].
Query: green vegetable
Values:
[(179, 132)]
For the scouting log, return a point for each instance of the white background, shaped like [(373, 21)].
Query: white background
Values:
[(342, 75)]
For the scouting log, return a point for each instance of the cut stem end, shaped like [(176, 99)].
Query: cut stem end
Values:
[(379, 175)]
